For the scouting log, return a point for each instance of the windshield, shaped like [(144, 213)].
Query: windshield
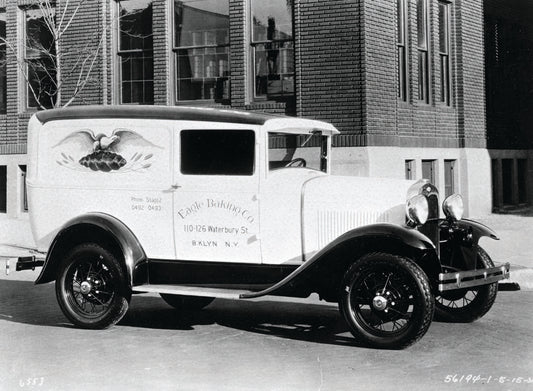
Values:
[(297, 151)]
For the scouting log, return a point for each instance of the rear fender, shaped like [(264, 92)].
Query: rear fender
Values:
[(102, 229), (323, 272)]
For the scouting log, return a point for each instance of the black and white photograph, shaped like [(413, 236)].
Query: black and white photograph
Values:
[(266, 195)]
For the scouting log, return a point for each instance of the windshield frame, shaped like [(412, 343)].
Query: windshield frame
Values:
[(302, 139)]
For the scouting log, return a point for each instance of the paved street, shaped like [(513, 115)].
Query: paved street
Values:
[(265, 345)]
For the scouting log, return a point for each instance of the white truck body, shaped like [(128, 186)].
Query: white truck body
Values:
[(281, 216)]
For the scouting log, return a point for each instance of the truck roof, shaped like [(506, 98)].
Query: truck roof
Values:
[(156, 112)]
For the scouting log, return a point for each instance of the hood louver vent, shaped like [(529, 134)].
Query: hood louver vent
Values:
[(332, 224)]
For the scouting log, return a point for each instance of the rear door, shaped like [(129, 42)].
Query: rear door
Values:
[(216, 205)]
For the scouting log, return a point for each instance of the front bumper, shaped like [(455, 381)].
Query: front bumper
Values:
[(472, 278)]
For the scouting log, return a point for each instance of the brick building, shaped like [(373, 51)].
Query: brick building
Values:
[(403, 80)]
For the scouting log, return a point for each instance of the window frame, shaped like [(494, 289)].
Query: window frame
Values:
[(252, 48), (24, 78), (402, 50), (450, 166), (118, 53), (445, 56), (433, 170), (174, 53), (423, 51), (23, 187), (215, 130), (410, 169)]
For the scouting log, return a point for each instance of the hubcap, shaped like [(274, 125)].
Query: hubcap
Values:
[(85, 287), (379, 303)]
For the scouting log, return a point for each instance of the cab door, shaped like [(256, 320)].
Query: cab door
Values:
[(216, 205)]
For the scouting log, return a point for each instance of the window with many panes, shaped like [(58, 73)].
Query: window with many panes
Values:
[(444, 52), (423, 50), (401, 7), (135, 51), (3, 79), (39, 57), (201, 50), (272, 44)]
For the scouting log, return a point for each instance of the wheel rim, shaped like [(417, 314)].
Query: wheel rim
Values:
[(383, 301), (459, 300), (90, 287)]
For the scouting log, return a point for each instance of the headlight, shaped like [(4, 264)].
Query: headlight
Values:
[(453, 207), (417, 209)]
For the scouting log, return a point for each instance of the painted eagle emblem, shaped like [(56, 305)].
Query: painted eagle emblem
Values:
[(106, 152)]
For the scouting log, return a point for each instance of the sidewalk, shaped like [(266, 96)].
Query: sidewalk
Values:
[(515, 230)]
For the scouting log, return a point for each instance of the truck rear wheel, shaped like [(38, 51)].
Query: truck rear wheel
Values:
[(386, 301), (91, 287), (467, 305)]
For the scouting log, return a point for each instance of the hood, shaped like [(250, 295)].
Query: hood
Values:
[(333, 205)]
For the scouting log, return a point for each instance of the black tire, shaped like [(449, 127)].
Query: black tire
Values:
[(91, 287), (187, 303), (464, 305), (386, 301)]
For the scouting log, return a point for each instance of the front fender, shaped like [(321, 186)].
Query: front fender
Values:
[(478, 230), (100, 228), (460, 241), (325, 269)]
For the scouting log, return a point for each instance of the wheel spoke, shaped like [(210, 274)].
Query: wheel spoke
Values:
[(99, 301), (386, 282), (405, 315)]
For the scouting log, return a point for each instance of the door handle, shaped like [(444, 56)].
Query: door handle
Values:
[(175, 186)]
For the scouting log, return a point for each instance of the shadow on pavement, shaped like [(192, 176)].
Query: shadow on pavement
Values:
[(24, 302), (305, 322)]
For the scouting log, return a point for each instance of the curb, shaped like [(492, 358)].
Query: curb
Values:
[(521, 279)]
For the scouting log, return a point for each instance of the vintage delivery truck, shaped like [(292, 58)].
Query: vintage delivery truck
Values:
[(201, 203)]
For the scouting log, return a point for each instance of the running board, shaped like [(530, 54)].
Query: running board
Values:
[(186, 290)]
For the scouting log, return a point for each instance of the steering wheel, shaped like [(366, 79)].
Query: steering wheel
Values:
[(298, 162)]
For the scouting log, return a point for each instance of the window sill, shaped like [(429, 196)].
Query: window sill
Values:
[(267, 104), (203, 103)]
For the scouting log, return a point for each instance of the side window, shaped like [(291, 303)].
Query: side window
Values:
[(217, 152)]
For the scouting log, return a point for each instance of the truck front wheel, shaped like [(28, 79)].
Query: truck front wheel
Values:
[(386, 301), (91, 287), (467, 305)]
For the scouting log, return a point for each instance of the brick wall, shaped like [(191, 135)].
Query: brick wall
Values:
[(329, 63), (81, 47), (345, 69), (471, 72)]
